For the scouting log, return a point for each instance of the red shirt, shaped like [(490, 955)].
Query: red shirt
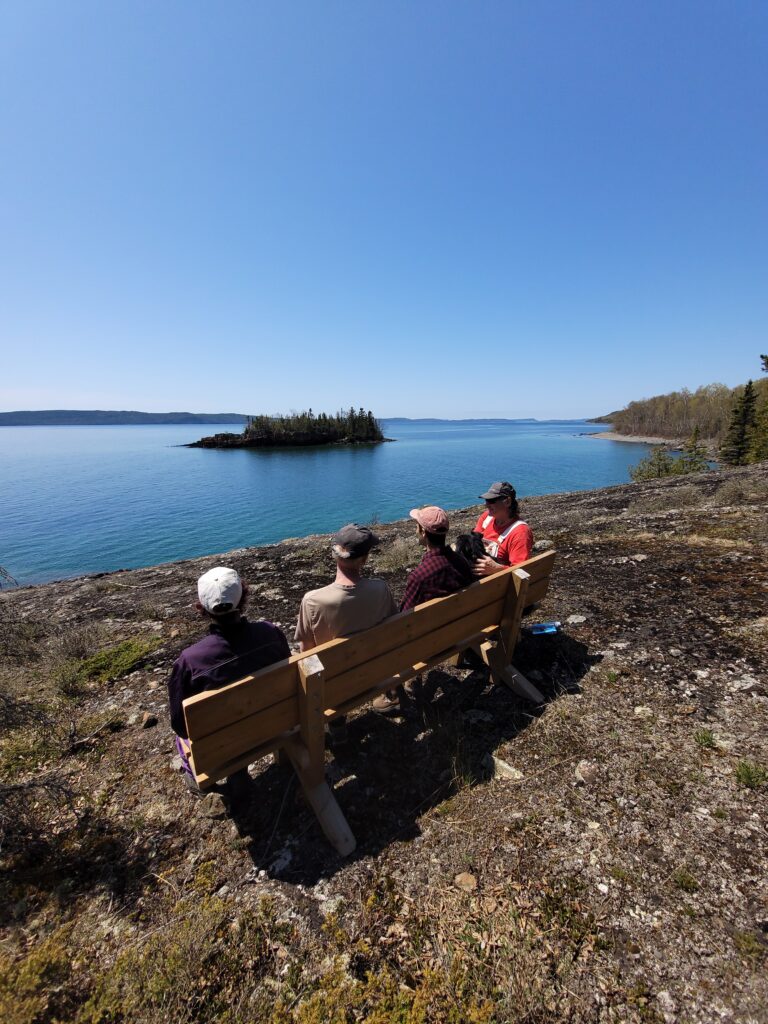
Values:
[(511, 546)]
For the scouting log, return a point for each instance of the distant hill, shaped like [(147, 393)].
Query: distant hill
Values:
[(100, 417)]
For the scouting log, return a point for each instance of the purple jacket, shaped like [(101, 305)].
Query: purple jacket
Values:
[(226, 654)]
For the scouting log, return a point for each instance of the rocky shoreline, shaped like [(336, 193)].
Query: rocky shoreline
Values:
[(612, 435), (601, 858)]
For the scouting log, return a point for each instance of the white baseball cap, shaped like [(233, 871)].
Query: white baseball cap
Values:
[(219, 590)]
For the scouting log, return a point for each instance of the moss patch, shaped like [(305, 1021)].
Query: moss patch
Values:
[(106, 665)]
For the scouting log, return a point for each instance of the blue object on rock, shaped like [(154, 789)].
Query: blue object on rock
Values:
[(537, 628)]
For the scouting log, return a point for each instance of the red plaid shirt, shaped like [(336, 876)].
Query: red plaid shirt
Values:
[(441, 571)]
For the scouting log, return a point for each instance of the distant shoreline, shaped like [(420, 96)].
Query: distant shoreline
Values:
[(109, 418)]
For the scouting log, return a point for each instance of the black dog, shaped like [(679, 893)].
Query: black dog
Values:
[(470, 546)]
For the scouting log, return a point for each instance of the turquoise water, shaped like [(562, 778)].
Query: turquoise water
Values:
[(76, 500)]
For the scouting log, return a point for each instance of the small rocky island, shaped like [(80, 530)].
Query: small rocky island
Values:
[(300, 430)]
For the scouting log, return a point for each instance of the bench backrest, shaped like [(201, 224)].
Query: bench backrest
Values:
[(254, 712)]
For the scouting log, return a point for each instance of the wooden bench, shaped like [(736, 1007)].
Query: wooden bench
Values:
[(283, 708)]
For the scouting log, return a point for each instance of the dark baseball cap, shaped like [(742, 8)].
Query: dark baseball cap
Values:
[(499, 489), (356, 540)]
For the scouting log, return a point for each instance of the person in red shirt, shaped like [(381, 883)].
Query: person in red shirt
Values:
[(507, 539)]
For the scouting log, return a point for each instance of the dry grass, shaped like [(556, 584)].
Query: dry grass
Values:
[(399, 556)]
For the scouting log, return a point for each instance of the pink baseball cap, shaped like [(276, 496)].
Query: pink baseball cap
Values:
[(431, 518)]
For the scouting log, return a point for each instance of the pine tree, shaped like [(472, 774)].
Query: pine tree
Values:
[(735, 448), (694, 457), (758, 449), (658, 464)]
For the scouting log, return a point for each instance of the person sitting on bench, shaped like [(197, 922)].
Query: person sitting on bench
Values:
[(440, 572), (348, 605), (506, 537), (233, 648)]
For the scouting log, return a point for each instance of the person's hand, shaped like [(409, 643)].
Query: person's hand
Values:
[(485, 566)]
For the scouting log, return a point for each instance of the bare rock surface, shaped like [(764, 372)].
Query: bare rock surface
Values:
[(615, 838)]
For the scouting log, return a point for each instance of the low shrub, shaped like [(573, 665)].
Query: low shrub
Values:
[(705, 738), (751, 775), (38, 988), (684, 880), (21, 638), (104, 666)]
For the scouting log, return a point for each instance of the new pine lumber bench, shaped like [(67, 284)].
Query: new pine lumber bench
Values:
[(283, 708)]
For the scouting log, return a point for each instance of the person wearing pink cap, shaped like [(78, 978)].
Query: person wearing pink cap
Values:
[(440, 572)]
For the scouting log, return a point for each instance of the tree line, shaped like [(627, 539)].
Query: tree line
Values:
[(742, 435), (677, 414), (311, 428)]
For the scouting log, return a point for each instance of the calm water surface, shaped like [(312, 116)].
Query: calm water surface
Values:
[(76, 500)]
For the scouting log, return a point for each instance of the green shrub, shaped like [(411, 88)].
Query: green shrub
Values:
[(195, 969), (36, 988), (705, 738), (684, 880), (751, 775)]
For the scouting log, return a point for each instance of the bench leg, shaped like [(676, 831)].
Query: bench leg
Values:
[(493, 657), (331, 818), (321, 799)]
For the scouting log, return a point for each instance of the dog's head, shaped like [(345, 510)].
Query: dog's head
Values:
[(470, 546)]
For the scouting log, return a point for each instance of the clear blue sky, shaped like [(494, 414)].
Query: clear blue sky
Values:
[(427, 208)]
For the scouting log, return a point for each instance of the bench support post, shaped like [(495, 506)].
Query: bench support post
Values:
[(312, 716), (308, 756), (321, 799), (512, 614), (498, 656), (495, 658)]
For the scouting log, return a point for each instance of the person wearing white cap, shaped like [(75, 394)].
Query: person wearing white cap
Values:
[(233, 648)]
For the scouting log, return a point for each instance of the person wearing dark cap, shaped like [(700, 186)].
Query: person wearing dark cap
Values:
[(348, 605), (351, 603), (233, 648), (507, 539)]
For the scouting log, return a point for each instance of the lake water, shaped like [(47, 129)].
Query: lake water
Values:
[(77, 500)]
